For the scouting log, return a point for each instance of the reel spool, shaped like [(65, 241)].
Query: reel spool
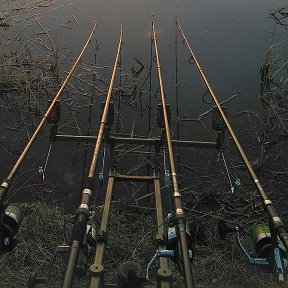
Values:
[(9, 225), (261, 236)]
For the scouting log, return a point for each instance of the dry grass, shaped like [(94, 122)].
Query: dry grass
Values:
[(216, 264)]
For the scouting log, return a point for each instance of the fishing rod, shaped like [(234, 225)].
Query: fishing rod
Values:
[(82, 214), (180, 221), (6, 232), (276, 224), (177, 99)]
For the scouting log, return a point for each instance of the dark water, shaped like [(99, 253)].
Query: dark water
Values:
[(230, 38)]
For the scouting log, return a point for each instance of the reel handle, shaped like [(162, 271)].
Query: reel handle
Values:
[(224, 229)]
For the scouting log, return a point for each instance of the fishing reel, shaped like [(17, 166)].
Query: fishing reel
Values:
[(171, 242), (10, 220), (270, 251), (88, 247)]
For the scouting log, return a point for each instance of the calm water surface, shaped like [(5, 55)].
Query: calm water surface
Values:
[(230, 38)]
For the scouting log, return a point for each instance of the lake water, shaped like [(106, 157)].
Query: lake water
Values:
[(230, 38)]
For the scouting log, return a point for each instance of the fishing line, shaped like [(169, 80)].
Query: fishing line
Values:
[(227, 171)]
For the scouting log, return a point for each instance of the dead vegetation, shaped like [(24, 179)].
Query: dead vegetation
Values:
[(216, 264)]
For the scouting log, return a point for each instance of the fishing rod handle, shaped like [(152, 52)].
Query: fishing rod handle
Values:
[(77, 238), (186, 265), (71, 264), (79, 228), (277, 223)]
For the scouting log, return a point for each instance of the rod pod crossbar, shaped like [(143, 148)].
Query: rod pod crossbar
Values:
[(82, 214), (275, 221)]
